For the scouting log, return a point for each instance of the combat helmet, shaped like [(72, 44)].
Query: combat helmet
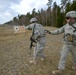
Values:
[(33, 20), (71, 14)]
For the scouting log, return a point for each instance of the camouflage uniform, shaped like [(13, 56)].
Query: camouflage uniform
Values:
[(69, 31), (69, 43), (39, 36)]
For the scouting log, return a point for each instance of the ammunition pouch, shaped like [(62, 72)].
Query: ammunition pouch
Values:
[(70, 38)]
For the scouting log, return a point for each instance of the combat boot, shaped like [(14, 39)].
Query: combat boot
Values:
[(57, 72), (74, 67), (43, 59), (33, 62)]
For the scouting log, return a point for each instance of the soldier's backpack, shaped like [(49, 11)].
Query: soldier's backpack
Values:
[(40, 30)]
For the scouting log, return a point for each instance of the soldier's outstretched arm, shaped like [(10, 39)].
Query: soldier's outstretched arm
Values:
[(58, 31), (29, 27), (47, 31)]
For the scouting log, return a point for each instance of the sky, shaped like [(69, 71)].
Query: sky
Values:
[(11, 8)]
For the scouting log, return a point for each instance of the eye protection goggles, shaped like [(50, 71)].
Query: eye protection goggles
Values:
[(68, 17)]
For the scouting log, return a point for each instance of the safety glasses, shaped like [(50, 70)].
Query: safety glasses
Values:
[(68, 17)]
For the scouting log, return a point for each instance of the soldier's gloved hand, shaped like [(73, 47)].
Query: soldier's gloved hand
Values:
[(47, 31)]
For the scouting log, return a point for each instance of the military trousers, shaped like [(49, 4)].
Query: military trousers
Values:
[(39, 47), (64, 53)]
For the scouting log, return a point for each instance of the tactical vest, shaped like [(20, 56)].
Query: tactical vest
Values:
[(70, 37), (74, 28), (40, 30)]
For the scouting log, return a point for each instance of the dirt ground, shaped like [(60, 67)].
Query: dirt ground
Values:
[(15, 54)]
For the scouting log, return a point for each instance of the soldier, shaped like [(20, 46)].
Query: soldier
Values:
[(69, 31), (39, 36)]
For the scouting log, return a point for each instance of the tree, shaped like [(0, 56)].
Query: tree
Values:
[(49, 13), (60, 18), (68, 7), (54, 11), (15, 21), (73, 6), (33, 12), (63, 4)]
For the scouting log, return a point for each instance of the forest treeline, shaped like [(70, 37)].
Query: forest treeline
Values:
[(54, 15)]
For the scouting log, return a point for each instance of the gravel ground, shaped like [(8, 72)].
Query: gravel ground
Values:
[(15, 54)]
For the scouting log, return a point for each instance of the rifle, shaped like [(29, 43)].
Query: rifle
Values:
[(32, 38)]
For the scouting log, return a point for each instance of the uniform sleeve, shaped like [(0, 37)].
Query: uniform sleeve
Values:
[(26, 27), (58, 31), (29, 27)]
